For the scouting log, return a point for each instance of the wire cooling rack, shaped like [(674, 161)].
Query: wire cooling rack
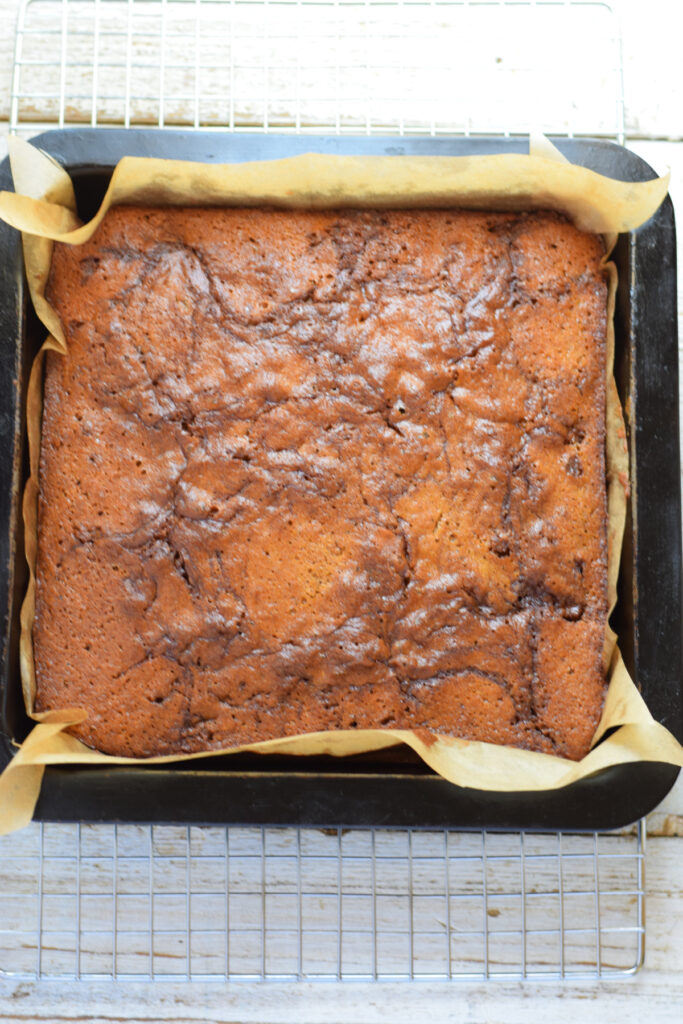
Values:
[(140, 902), (147, 902), (422, 66)]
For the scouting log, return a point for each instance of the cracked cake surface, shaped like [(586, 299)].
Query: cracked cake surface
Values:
[(305, 471)]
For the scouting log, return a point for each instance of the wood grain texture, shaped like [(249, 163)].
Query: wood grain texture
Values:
[(8, 17), (657, 991)]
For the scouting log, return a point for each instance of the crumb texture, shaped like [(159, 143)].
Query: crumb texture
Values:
[(305, 471)]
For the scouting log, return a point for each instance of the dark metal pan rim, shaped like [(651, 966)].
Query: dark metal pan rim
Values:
[(380, 792)]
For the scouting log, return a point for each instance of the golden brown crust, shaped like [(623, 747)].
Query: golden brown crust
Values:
[(305, 471)]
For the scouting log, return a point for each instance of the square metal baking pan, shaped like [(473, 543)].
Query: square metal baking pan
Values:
[(391, 787)]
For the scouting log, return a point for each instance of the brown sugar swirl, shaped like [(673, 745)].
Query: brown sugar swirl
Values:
[(305, 471)]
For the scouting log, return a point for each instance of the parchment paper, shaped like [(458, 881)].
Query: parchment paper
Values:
[(44, 209)]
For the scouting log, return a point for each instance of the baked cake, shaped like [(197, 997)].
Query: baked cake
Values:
[(304, 471)]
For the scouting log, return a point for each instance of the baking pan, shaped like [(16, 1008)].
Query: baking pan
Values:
[(389, 787)]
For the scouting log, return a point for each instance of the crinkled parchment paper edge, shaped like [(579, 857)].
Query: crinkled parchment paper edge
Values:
[(44, 210)]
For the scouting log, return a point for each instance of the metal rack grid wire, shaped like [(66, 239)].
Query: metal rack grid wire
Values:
[(358, 66), (153, 902), (275, 904)]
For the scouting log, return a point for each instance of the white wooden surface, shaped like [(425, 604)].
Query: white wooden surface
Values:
[(654, 95)]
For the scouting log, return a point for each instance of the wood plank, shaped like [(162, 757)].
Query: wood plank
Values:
[(8, 19), (659, 986), (659, 996), (652, 86), (651, 109), (394, 66)]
